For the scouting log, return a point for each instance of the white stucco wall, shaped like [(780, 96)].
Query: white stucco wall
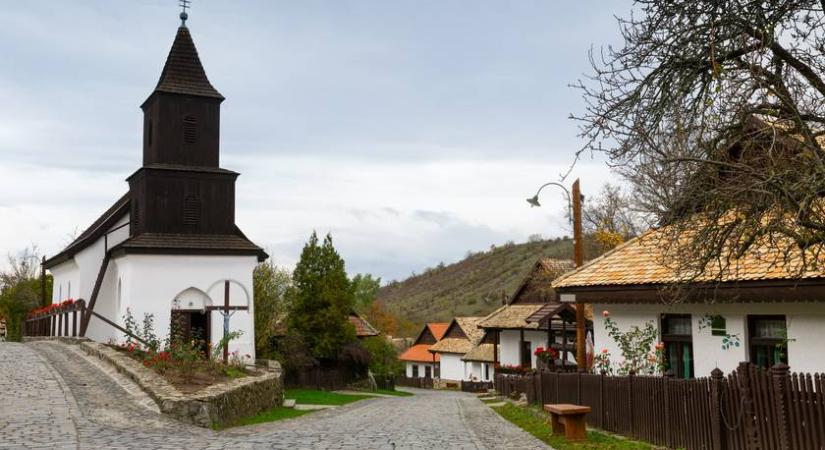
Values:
[(150, 283), (509, 346), (805, 322), (452, 367), (421, 369), (475, 370)]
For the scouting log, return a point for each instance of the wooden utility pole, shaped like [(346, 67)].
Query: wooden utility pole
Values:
[(578, 257)]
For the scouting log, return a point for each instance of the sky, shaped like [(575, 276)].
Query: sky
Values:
[(411, 130)]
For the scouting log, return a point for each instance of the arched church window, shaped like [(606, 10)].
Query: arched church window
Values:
[(69, 295), (119, 293), (190, 130), (191, 210)]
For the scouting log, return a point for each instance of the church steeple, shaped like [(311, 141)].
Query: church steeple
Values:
[(182, 115)]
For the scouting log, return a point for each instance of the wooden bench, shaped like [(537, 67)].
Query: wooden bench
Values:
[(568, 420)]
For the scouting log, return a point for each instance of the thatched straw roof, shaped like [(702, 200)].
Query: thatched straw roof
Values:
[(461, 336), (481, 352), (511, 317)]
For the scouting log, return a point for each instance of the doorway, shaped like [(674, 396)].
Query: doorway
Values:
[(189, 325)]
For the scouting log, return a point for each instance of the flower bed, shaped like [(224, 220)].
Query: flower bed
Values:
[(186, 368)]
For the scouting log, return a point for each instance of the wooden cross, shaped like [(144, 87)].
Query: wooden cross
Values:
[(226, 311)]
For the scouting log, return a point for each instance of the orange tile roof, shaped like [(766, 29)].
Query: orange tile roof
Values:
[(438, 329), (643, 261), (419, 353)]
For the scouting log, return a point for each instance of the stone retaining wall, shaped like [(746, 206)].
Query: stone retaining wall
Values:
[(215, 405)]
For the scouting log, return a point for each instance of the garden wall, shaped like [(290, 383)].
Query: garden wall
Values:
[(215, 405)]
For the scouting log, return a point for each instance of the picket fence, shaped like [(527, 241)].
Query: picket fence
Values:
[(751, 408)]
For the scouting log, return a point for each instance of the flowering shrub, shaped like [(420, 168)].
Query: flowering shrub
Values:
[(52, 308), (546, 355), (601, 362), (637, 347), (506, 369)]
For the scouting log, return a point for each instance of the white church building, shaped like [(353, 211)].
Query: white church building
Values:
[(169, 246)]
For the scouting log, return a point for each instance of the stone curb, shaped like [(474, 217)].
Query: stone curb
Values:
[(215, 405)]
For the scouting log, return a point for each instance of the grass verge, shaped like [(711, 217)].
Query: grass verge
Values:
[(534, 421), (271, 415), (314, 397), (388, 392)]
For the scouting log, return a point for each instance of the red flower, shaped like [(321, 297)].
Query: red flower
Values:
[(605, 313)]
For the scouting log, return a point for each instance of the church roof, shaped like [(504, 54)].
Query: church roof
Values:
[(183, 72), (211, 244), (93, 232)]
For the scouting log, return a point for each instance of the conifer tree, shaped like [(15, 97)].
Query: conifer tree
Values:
[(322, 298)]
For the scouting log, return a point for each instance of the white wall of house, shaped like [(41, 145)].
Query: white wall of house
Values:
[(452, 367), (422, 371), (509, 346), (805, 322), (475, 371)]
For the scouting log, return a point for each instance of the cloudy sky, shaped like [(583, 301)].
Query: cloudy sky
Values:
[(411, 130)]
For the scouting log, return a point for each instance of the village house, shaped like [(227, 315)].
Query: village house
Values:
[(169, 247), (419, 362), (519, 327), (461, 336), (363, 329), (480, 360), (759, 310)]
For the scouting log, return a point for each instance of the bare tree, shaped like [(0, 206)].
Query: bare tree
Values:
[(714, 110), (23, 266)]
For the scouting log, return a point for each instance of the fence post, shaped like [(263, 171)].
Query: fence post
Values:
[(579, 387), (669, 376), (748, 414), (716, 378), (601, 398), (630, 376), (781, 388)]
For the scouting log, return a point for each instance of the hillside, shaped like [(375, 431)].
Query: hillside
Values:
[(473, 286)]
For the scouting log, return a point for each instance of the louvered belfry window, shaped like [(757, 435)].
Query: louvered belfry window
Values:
[(190, 130), (191, 210)]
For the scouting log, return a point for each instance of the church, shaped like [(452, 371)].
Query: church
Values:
[(169, 247)]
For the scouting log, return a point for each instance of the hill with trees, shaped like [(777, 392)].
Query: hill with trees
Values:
[(474, 286)]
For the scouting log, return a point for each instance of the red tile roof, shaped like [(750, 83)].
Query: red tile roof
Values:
[(438, 329), (419, 353)]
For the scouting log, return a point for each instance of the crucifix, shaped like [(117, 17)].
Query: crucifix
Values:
[(184, 5), (226, 311)]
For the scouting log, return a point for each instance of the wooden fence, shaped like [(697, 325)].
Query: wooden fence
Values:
[(423, 383), (315, 377), (751, 408), (57, 320), (476, 386)]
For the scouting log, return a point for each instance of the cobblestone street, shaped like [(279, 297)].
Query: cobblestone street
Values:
[(52, 396)]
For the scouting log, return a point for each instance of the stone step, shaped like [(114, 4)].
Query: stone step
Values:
[(289, 403)]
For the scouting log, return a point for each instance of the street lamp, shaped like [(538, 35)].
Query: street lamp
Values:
[(578, 255), (534, 200)]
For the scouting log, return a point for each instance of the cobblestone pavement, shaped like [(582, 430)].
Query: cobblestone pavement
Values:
[(53, 396)]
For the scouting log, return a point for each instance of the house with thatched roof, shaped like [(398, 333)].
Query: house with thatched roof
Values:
[(531, 318), (462, 335), (479, 361), (762, 307), (420, 363)]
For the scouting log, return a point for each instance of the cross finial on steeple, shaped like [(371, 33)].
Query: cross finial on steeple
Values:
[(184, 4)]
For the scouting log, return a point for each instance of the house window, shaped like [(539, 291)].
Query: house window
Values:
[(526, 355), (190, 130), (678, 339), (486, 371), (767, 340), (428, 372), (415, 370), (718, 326)]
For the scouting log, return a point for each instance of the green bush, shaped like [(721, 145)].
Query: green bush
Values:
[(383, 358)]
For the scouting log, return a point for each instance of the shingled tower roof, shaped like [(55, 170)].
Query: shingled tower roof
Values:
[(183, 72)]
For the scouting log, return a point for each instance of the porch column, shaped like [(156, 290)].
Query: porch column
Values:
[(564, 342), (495, 347)]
